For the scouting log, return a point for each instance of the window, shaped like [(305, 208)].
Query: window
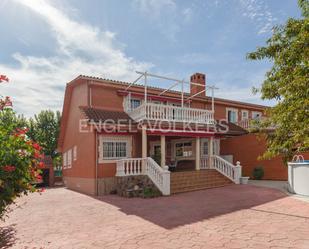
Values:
[(216, 146), (205, 148), (256, 115), (232, 115), (114, 147), (75, 153), (69, 158), (244, 115), (114, 150), (134, 103), (183, 149)]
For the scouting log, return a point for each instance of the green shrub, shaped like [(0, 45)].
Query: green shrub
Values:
[(258, 173), (150, 192)]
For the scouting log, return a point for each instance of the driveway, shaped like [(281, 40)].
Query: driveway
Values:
[(236, 216)]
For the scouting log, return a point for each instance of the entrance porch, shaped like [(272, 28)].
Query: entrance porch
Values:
[(165, 156)]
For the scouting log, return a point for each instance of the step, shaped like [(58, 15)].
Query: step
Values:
[(188, 189), (197, 180)]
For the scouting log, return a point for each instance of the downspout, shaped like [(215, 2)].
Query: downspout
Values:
[(96, 164)]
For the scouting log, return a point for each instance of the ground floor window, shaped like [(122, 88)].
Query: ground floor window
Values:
[(184, 149), (115, 147)]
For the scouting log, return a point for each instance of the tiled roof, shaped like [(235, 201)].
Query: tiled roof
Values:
[(118, 82), (97, 115), (233, 129)]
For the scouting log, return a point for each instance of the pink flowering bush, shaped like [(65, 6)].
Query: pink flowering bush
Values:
[(19, 158)]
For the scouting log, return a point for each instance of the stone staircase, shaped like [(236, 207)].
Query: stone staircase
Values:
[(186, 181)]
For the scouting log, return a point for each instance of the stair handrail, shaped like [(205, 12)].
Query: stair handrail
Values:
[(233, 172), (160, 176)]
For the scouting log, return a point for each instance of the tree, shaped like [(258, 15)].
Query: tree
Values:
[(44, 129), (287, 82), (19, 157)]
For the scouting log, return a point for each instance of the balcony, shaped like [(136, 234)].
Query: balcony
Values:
[(169, 113)]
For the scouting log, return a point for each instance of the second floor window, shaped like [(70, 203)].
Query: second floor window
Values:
[(244, 115), (256, 115), (134, 103), (232, 115)]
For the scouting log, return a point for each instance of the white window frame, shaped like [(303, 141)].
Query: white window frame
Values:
[(216, 146), (233, 110), (75, 153), (114, 139), (135, 99), (203, 141), (242, 114), (183, 142), (69, 158), (256, 112)]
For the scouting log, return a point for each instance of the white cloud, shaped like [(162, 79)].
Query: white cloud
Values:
[(258, 11), (38, 82)]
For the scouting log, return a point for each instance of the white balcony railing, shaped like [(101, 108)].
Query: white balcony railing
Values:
[(145, 166), (152, 111)]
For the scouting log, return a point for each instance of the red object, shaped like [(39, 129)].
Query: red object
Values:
[(36, 146), (4, 78), (9, 168), (41, 165)]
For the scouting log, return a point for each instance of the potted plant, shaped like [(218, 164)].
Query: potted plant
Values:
[(244, 179), (258, 173)]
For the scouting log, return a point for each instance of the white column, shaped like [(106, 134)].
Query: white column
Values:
[(238, 172), (162, 151), (144, 142), (197, 153), (211, 151)]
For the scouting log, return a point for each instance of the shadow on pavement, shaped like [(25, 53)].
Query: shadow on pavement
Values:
[(7, 236), (182, 209)]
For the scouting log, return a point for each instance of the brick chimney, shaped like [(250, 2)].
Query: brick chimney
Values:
[(199, 78)]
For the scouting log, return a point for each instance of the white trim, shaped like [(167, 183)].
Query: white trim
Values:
[(108, 138), (244, 111), (256, 112), (227, 109), (70, 158), (204, 140), (183, 140), (75, 153)]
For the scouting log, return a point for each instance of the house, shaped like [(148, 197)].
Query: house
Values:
[(180, 140)]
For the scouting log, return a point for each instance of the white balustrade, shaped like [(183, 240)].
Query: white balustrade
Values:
[(152, 111), (245, 124), (204, 164), (129, 167), (226, 168), (145, 166)]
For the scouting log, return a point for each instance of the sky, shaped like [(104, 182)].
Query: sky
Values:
[(45, 44)]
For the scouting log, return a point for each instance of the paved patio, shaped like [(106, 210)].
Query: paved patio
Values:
[(230, 217)]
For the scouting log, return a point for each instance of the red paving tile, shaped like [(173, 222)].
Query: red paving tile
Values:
[(229, 217)]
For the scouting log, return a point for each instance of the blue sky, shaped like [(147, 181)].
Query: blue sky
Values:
[(45, 44)]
